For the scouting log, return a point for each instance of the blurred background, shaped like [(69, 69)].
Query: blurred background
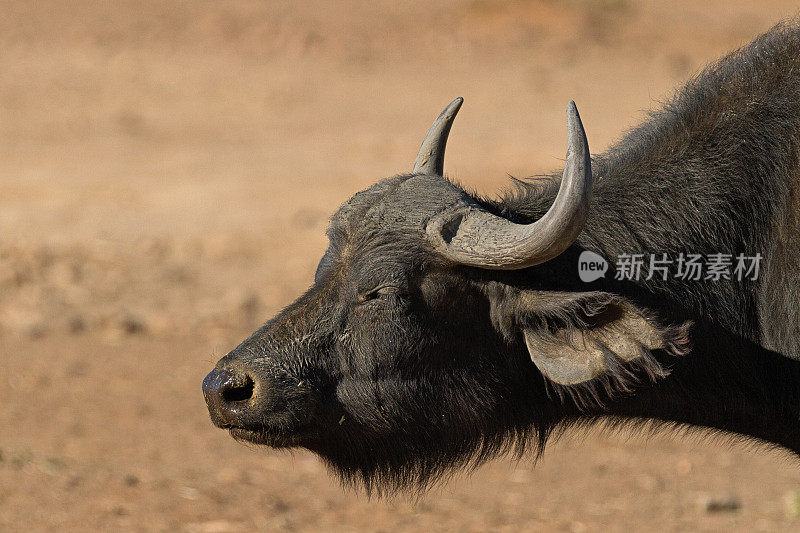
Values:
[(166, 174)]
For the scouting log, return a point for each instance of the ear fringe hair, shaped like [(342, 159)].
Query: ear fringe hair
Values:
[(622, 378)]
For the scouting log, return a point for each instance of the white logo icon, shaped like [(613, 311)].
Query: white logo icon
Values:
[(591, 266)]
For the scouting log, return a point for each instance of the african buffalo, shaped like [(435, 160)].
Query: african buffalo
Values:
[(443, 327)]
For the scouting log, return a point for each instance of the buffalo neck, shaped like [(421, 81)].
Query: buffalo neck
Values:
[(726, 384)]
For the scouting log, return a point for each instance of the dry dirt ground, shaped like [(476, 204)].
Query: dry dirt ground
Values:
[(166, 171)]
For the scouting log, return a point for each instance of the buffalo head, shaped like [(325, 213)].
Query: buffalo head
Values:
[(441, 328)]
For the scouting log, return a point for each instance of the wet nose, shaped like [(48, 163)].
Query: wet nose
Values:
[(227, 393)]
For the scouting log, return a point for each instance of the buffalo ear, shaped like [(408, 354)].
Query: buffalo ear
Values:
[(576, 337)]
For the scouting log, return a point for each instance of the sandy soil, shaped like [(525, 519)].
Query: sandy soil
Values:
[(166, 172)]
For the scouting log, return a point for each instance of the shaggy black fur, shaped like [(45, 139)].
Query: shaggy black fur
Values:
[(397, 366)]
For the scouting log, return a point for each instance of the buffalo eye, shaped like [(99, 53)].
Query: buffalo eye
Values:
[(380, 293)]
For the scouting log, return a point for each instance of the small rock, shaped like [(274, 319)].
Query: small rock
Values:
[(721, 503), (36, 331), (76, 324), (131, 325), (188, 493), (130, 480), (120, 510)]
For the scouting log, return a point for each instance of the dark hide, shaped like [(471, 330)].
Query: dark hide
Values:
[(398, 366)]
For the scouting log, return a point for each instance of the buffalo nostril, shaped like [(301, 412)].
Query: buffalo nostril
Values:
[(237, 389), (225, 392)]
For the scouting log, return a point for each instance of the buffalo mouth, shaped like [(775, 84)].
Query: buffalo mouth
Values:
[(257, 410), (264, 436)]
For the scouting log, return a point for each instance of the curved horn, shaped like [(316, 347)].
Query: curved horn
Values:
[(470, 235), (430, 159)]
